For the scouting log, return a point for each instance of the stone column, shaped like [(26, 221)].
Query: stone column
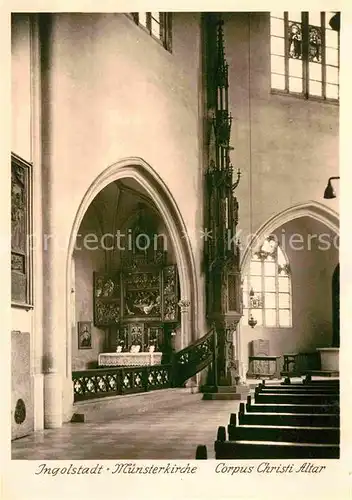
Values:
[(68, 398), (186, 335), (52, 329), (37, 228)]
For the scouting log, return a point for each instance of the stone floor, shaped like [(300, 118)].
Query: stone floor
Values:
[(169, 426), (162, 433)]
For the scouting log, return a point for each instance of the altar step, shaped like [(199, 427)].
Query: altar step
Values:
[(225, 393), (120, 407)]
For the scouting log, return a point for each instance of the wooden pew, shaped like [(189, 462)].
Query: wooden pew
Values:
[(335, 382), (299, 434), (201, 452), (285, 422), (317, 385), (290, 419), (301, 423), (289, 408), (253, 448), (312, 383), (309, 381), (297, 390), (294, 398), (274, 450)]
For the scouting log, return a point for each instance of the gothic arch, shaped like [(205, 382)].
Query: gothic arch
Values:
[(137, 169), (312, 209)]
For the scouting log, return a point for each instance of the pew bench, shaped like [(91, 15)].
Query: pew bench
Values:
[(286, 421), (290, 419), (297, 390), (291, 434), (244, 449), (326, 381), (306, 381), (309, 381), (301, 398), (312, 384), (302, 383), (287, 408)]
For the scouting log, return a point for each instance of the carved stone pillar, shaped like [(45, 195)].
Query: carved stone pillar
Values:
[(232, 369), (186, 337), (226, 349)]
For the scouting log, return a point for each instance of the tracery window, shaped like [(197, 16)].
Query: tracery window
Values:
[(267, 287), (305, 54)]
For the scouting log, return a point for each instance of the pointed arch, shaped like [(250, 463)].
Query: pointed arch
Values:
[(312, 209), (139, 170)]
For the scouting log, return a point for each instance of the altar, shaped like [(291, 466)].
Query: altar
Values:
[(129, 358), (136, 303)]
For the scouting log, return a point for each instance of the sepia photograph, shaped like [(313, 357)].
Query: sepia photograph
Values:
[(175, 180)]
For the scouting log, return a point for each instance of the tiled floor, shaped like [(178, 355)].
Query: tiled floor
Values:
[(157, 434)]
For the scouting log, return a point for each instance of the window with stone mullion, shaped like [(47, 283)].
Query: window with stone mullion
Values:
[(267, 288), (304, 54)]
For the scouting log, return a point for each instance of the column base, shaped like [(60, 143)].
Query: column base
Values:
[(67, 400), (38, 391), (52, 400), (225, 392)]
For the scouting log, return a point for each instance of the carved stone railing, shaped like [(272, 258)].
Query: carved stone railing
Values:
[(102, 382), (193, 358)]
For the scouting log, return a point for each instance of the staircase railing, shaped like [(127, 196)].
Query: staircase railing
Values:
[(194, 358)]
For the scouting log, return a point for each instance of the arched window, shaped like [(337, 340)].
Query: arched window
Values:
[(267, 287)]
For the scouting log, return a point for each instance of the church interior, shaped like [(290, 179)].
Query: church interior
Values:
[(173, 251)]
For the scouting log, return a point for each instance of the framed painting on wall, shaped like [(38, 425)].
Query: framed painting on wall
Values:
[(84, 334)]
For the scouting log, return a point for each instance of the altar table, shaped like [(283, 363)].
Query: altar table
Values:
[(129, 358)]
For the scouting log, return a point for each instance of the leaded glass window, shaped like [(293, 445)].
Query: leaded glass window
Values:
[(267, 287), (158, 24), (305, 54)]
